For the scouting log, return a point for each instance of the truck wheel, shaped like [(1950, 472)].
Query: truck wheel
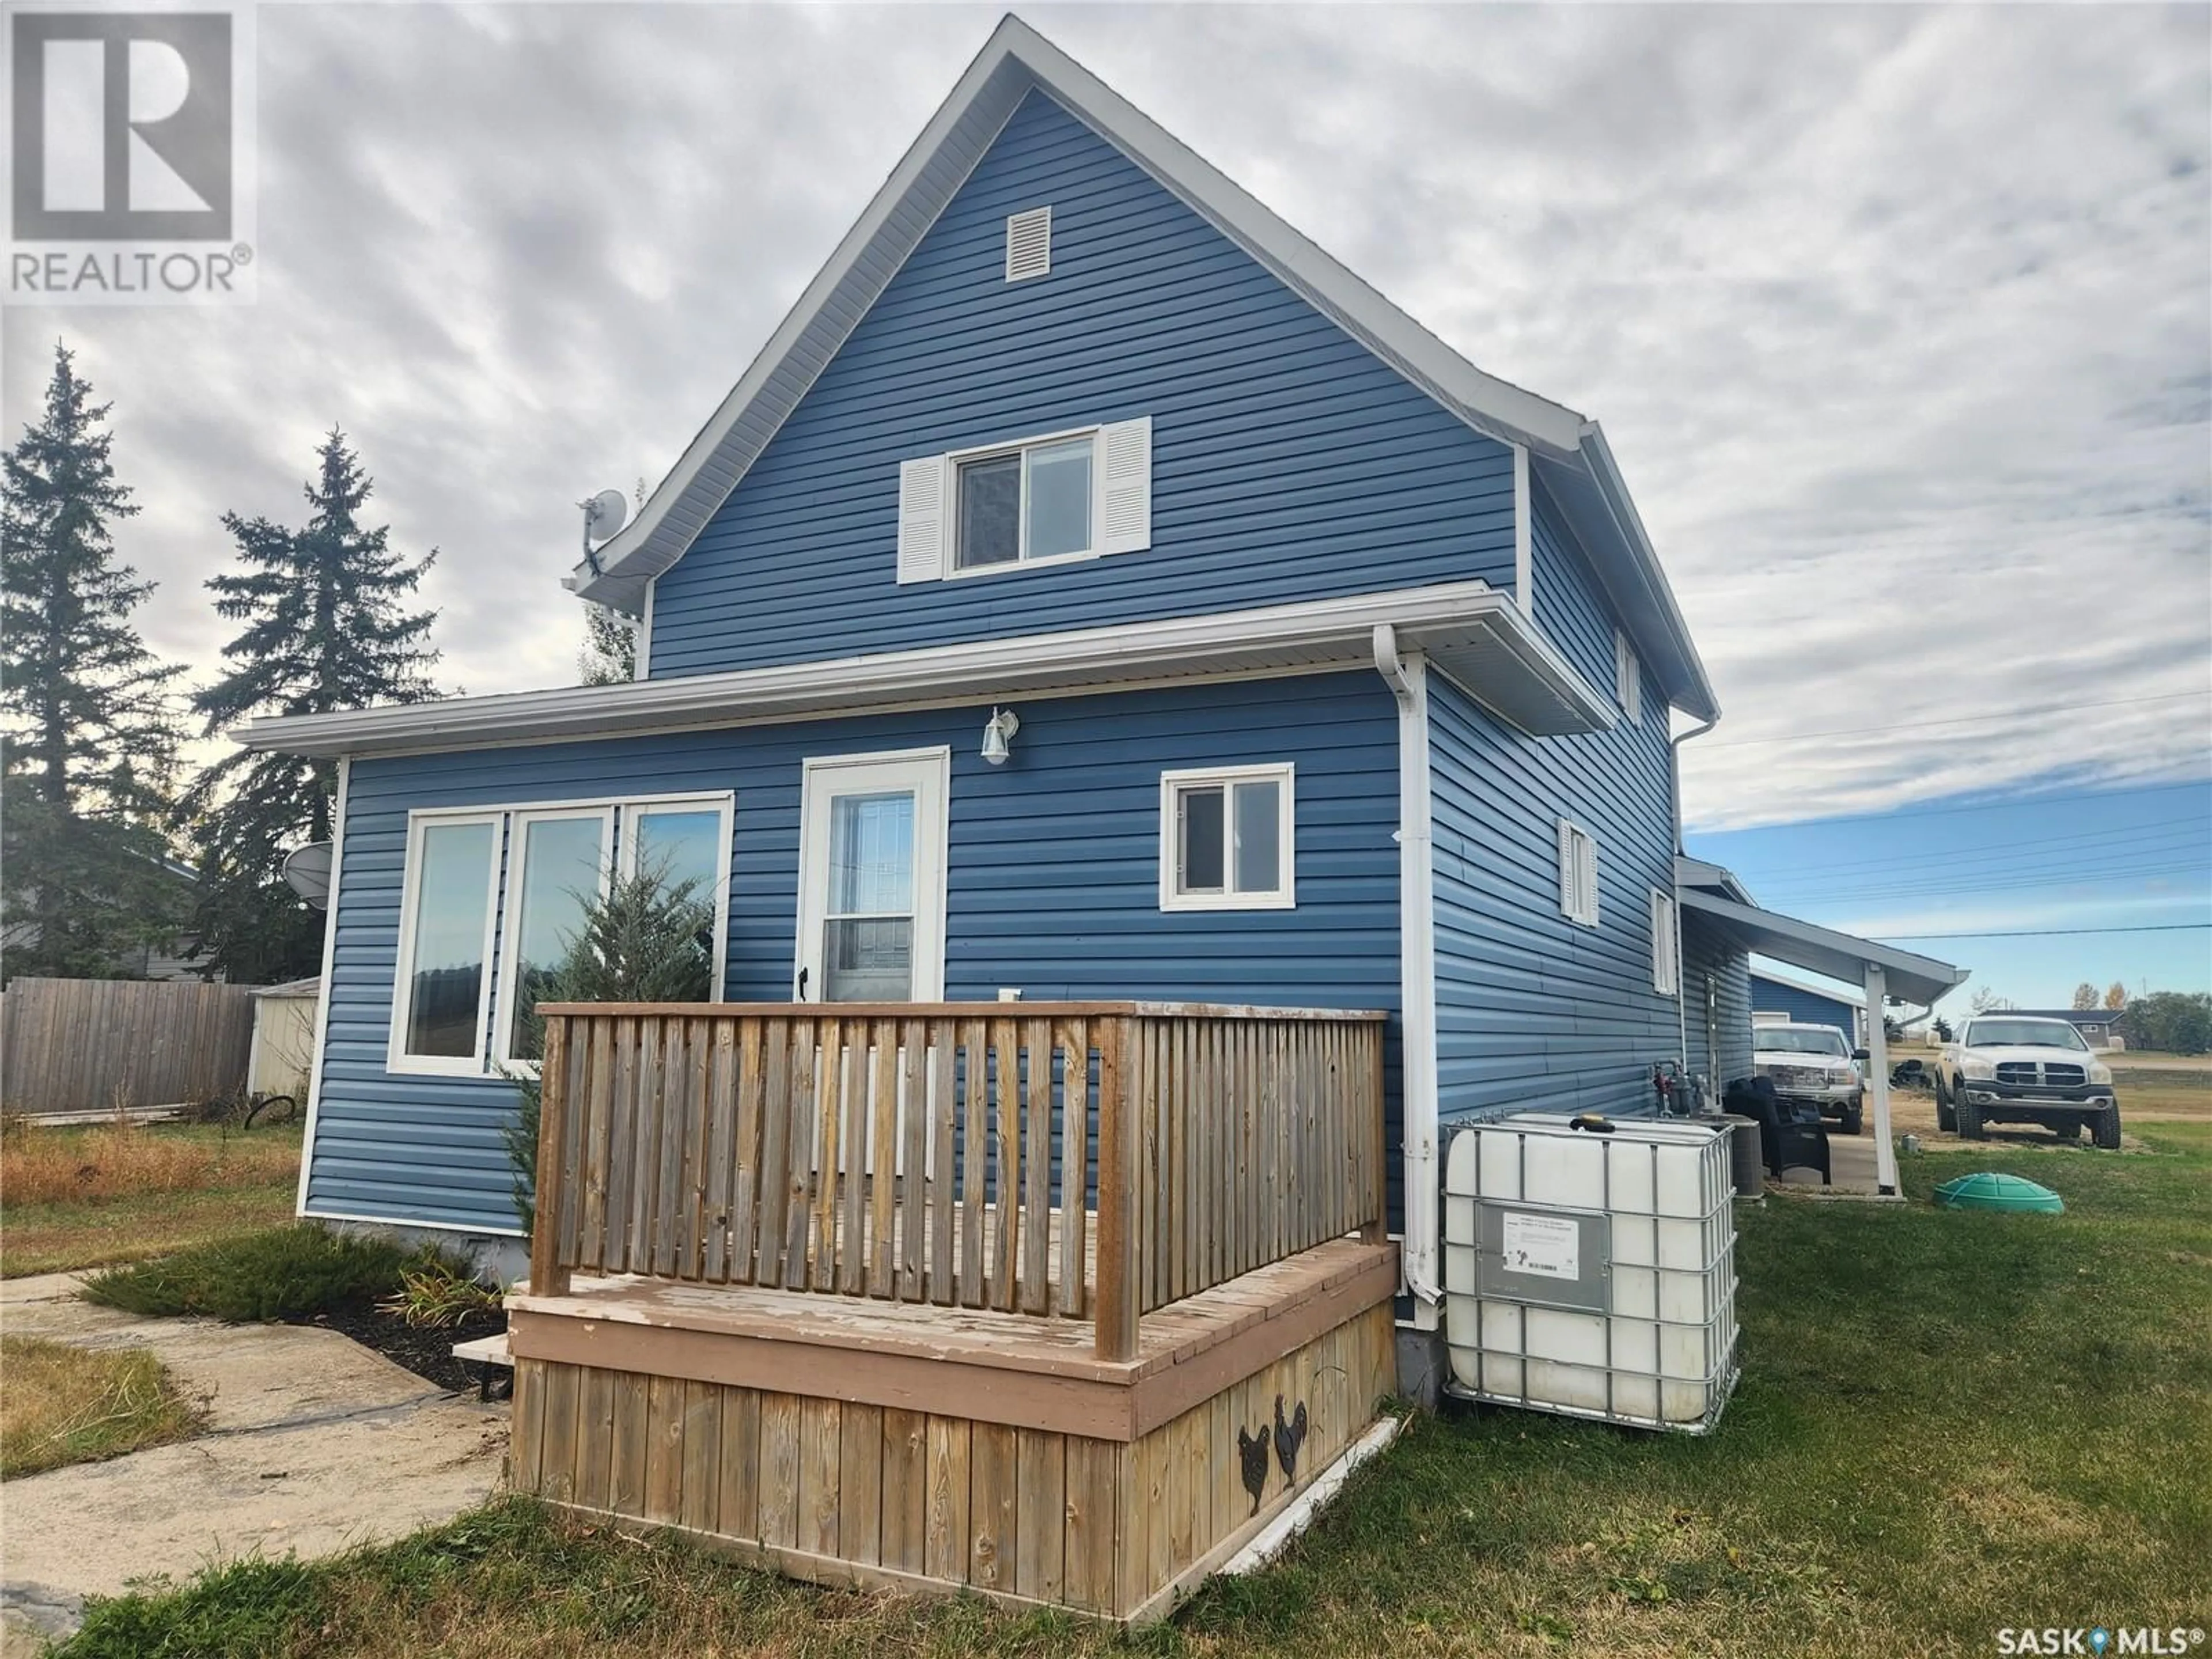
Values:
[(1970, 1121), (2070, 1130), (2108, 1127), (1946, 1117), (1854, 1118)]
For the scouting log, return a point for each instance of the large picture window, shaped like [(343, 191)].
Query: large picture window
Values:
[(492, 899)]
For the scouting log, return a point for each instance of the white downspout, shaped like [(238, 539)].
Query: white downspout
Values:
[(1407, 679), (1681, 963)]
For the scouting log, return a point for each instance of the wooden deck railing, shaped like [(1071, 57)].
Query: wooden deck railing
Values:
[(1081, 1160)]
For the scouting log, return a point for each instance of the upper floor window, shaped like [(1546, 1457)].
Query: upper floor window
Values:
[(1577, 873), (1627, 679), (1225, 839), (1031, 502), (1039, 501)]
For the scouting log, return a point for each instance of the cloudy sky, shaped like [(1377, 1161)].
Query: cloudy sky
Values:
[(1900, 320)]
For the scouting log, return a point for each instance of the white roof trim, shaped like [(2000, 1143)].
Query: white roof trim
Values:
[(1472, 634), (1823, 950), (1014, 61)]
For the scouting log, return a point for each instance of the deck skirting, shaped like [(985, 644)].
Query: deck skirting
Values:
[(934, 1489)]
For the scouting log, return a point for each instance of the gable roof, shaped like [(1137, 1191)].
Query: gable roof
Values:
[(1567, 452)]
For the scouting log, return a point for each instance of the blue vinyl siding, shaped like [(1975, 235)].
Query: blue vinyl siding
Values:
[(1053, 887), (1773, 996), (1289, 463), (1717, 979), (1534, 1012)]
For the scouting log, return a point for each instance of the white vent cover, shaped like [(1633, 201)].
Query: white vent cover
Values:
[(1029, 244)]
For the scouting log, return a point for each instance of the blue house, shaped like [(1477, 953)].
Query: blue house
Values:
[(1092, 595), (1777, 999)]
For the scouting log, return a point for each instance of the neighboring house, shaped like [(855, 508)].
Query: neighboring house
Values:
[(1778, 1001), (174, 958), (1339, 675), (2100, 1028)]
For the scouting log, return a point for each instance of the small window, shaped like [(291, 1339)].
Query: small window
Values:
[(1225, 839), (1666, 967), (1577, 874), (1029, 503), (1627, 679), (1029, 244)]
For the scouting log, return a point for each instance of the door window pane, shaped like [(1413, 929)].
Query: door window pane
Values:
[(680, 846), (1059, 498), (559, 877), (452, 897), (1201, 862), (868, 927), (1259, 825), (990, 512)]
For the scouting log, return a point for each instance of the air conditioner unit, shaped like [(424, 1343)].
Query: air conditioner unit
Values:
[(1592, 1271)]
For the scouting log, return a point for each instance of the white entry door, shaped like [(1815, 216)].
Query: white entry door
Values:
[(872, 879)]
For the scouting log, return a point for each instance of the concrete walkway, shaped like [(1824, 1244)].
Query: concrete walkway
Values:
[(312, 1443)]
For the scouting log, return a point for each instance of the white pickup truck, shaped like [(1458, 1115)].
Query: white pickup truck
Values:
[(2011, 1068), (1810, 1065)]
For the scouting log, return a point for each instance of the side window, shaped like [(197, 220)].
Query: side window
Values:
[(1226, 839), (1577, 874), (1666, 969)]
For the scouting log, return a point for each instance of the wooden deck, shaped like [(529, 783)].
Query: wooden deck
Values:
[(832, 1289)]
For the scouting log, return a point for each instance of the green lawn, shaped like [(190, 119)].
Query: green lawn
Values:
[(1949, 1423)]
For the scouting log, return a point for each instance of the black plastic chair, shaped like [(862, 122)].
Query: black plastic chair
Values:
[(1786, 1141)]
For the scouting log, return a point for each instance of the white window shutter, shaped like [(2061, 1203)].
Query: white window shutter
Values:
[(1664, 969), (1568, 871), (924, 485), (1586, 875), (1124, 486)]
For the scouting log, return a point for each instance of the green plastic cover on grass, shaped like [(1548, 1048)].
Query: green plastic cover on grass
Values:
[(1991, 1191)]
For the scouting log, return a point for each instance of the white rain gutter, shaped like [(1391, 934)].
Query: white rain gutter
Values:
[(1407, 678)]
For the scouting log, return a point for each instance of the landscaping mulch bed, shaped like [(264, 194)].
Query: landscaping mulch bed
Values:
[(428, 1354)]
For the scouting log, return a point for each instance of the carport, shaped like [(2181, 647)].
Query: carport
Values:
[(1716, 903)]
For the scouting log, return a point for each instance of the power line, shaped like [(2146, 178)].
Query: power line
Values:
[(2059, 932), (2191, 831), (1958, 720), (1860, 892)]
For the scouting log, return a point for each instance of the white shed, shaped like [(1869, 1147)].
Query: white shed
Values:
[(283, 1053)]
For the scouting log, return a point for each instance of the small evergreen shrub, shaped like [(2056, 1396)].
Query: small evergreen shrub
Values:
[(284, 1274)]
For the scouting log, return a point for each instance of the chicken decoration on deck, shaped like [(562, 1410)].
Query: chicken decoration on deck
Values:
[(1289, 1436)]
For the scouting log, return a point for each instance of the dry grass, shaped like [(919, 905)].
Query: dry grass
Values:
[(42, 1165), (61, 1404)]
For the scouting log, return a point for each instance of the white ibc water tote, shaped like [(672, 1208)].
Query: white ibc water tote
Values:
[(1592, 1271)]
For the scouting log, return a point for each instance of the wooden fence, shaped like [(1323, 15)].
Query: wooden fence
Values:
[(1077, 1160), (83, 1045)]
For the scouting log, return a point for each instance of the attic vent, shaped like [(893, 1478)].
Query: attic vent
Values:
[(1029, 244)]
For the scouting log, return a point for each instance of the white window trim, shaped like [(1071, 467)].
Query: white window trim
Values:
[(957, 459), (1578, 901), (490, 1047), (397, 1059), (1284, 774), (1666, 944), (1627, 679), (932, 770)]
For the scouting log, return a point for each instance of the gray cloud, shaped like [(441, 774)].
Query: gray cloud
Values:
[(1900, 319)]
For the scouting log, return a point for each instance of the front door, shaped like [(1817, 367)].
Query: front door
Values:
[(872, 879)]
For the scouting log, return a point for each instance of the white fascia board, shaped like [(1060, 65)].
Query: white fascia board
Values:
[(1823, 950), (1700, 872), (1015, 60), (1471, 630), (1652, 602)]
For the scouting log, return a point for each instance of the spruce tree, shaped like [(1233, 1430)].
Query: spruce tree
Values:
[(609, 653), (89, 753), (326, 627)]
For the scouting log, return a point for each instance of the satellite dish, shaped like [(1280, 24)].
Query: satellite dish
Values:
[(604, 514), (309, 872)]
